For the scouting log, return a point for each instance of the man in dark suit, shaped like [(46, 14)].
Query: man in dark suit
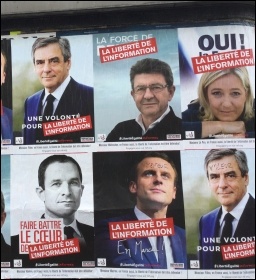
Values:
[(227, 172), (152, 90), (60, 188), (6, 113), (62, 100), (153, 182)]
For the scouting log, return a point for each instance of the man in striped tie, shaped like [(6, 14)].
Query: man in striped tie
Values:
[(233, 223)]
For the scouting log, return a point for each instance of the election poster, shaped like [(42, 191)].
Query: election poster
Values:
[(206, 55), (129, 153), (59, 191), (237, 250), (117, 107), (35, 76)]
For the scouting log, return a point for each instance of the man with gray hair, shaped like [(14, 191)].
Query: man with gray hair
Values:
[(61, 99), (233, 223)]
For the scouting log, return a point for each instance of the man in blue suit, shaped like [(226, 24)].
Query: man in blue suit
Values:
[(227, 172), (62, 99), (6, 113), (153, 182)]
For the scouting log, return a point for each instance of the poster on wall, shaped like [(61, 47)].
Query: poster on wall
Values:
[(129, 153)]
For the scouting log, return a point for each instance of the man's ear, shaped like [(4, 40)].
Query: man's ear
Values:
[(171, 92), (82, 189), (40, 193), (133, 187)]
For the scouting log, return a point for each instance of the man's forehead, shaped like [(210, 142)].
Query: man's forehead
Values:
[(224, 164), (154, 162)]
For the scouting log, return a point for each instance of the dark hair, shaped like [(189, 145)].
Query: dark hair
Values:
[(51, 159), (239, 155), (134, 170), (43, 42), (154, 66)]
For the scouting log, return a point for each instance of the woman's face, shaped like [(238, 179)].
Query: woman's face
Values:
[(227, 96)]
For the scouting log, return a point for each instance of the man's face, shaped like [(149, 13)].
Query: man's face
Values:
[(152, 105), (2, 69), (63, 190), (50, 66), (154, 188), (226, 181)]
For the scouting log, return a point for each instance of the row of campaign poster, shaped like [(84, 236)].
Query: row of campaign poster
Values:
[(121, 183)]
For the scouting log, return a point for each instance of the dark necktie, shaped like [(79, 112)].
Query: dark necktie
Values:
[(227, 229), (161, 252), (69, 232), (48, 110)]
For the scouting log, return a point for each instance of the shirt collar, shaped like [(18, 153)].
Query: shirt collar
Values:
[(140, 215), (140, 122), (59, 91), (237, 211)]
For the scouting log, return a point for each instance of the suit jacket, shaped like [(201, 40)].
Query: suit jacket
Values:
[(209, 228), (70, 260), (6, 124), (5, 250), (130, 130), (129, 257), (76, 99)]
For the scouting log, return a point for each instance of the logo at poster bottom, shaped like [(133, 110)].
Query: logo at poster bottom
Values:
[(88, 263), (17, 263), (101, 262)]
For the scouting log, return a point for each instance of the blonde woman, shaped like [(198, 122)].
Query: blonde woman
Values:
[(224, 107)]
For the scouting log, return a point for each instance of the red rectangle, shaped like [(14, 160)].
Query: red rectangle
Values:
[(238, 250), (220, 61), (67, 126), (51, 249), (123, 51), (141, 228)]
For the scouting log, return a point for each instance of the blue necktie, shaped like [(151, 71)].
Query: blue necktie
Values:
[(161, 252)]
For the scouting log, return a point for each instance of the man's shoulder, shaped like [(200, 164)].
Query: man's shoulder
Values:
[(85, 228), (81, 87), (210, 215), (35, 96), (126, 123)]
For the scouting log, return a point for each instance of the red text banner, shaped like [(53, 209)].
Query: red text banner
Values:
[(220, 61), (238, 250), (47, 250), (67, 126), (118, 52), (143, 228)]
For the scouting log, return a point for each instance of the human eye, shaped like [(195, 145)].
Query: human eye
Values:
[(149, 173), (54, 60), (56, 184), (235, 93), (39, 62), (231, 175), (74, 182), (214, 177), (140, 89), (166, 176), (216, 93)]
